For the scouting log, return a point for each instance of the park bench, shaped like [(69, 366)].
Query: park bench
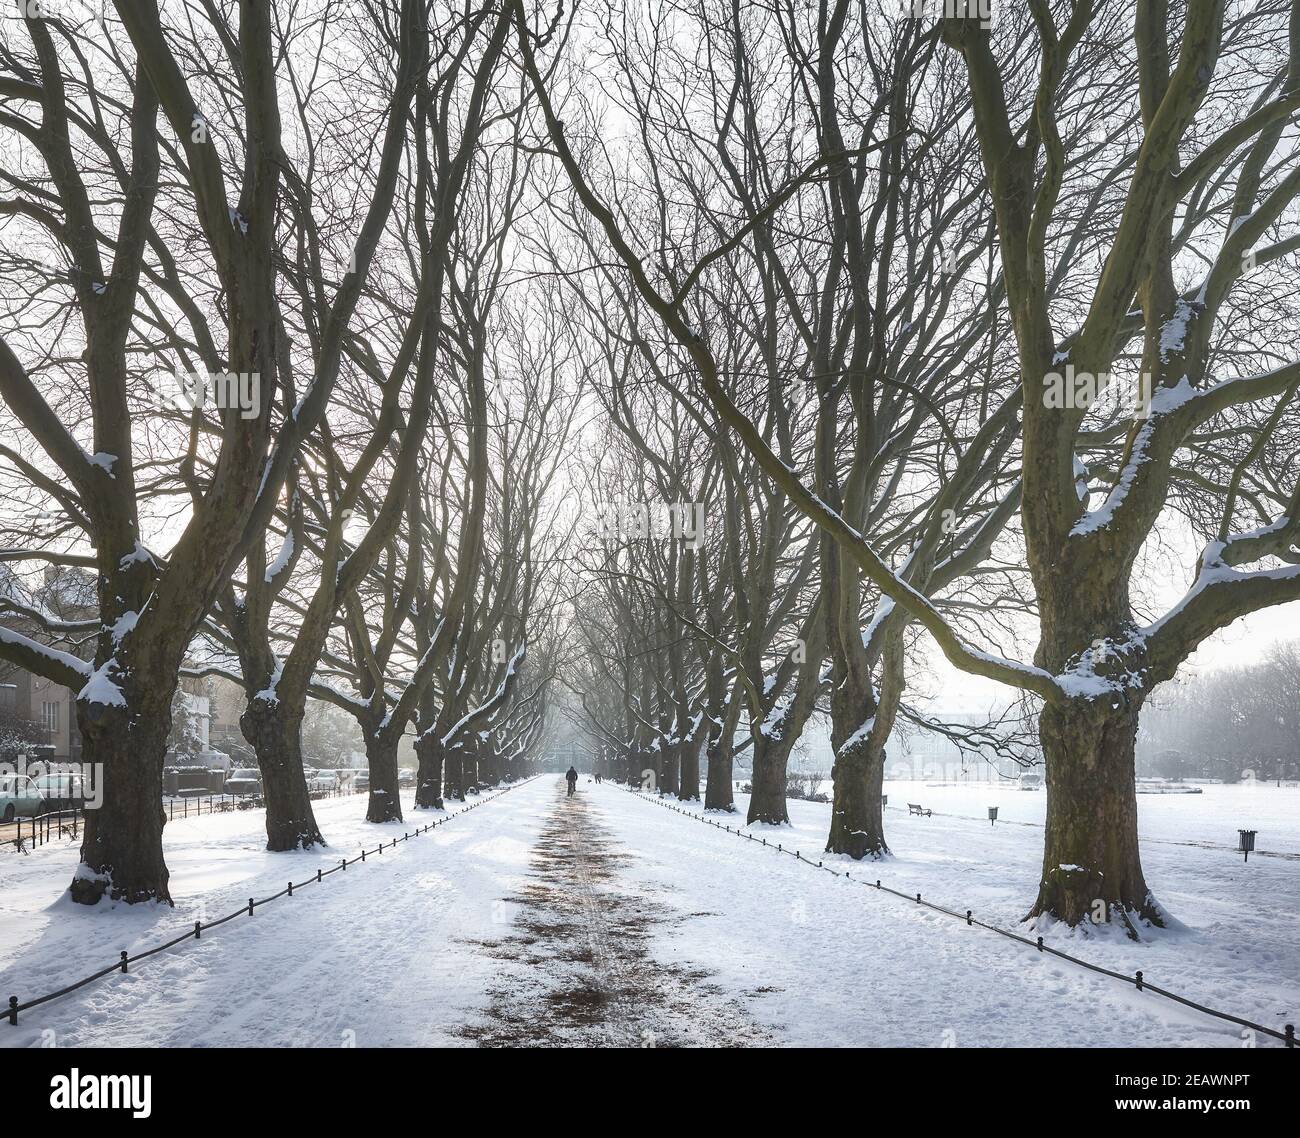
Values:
[(916, 808)]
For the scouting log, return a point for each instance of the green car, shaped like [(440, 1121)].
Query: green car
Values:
[(19, 796)]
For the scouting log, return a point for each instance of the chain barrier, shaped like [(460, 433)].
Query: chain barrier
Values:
[(1138, 980), (125, 959)]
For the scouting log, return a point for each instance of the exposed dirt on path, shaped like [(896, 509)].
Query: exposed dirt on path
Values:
[(577, 968)]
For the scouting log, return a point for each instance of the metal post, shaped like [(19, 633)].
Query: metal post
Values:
[(123, 960), (1139, 978), (13, 1010), (198, 930), (250, 906)]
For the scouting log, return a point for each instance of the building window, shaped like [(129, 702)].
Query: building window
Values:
[(50, 716)]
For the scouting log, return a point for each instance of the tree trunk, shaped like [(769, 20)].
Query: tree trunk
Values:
[(688, 787), (767, 798), (718, 790), (859, 727), (428, 776), (857, 817), (669, 767), (453, 767), (275, 734), (385, 803), (469, 766), (1092, 870), (121, 847)]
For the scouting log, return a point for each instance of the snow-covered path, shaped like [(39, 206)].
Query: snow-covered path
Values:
[(579, 966), (601, 920)]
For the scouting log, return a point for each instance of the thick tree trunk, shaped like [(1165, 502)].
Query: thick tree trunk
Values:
[(857, 817), (275, 733), (453, 776), (121, 848), (468, 768), (1092, 871), (428, 776), (635, 765), (718, 789), (385, 803), (767, 799), (688, 784), (669, 756)]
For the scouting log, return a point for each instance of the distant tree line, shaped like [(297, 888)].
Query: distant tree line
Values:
[(1232, 723)]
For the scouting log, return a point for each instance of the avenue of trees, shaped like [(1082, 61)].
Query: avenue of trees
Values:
[(664, 375)]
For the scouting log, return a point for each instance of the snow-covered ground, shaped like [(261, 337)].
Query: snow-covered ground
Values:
[(377, 955), (424, 945), (1238, 948)]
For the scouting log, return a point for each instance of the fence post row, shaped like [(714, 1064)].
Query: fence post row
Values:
[(1287, 1035), (123, 960)]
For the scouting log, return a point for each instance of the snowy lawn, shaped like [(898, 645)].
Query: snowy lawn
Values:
[(407, 949), (848, 964), (375, 955)]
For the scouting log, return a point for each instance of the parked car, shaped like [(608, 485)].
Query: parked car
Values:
[(323, 780), (60, 791), (406, 777), (19, 795), (361, 782), (244, 782)]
